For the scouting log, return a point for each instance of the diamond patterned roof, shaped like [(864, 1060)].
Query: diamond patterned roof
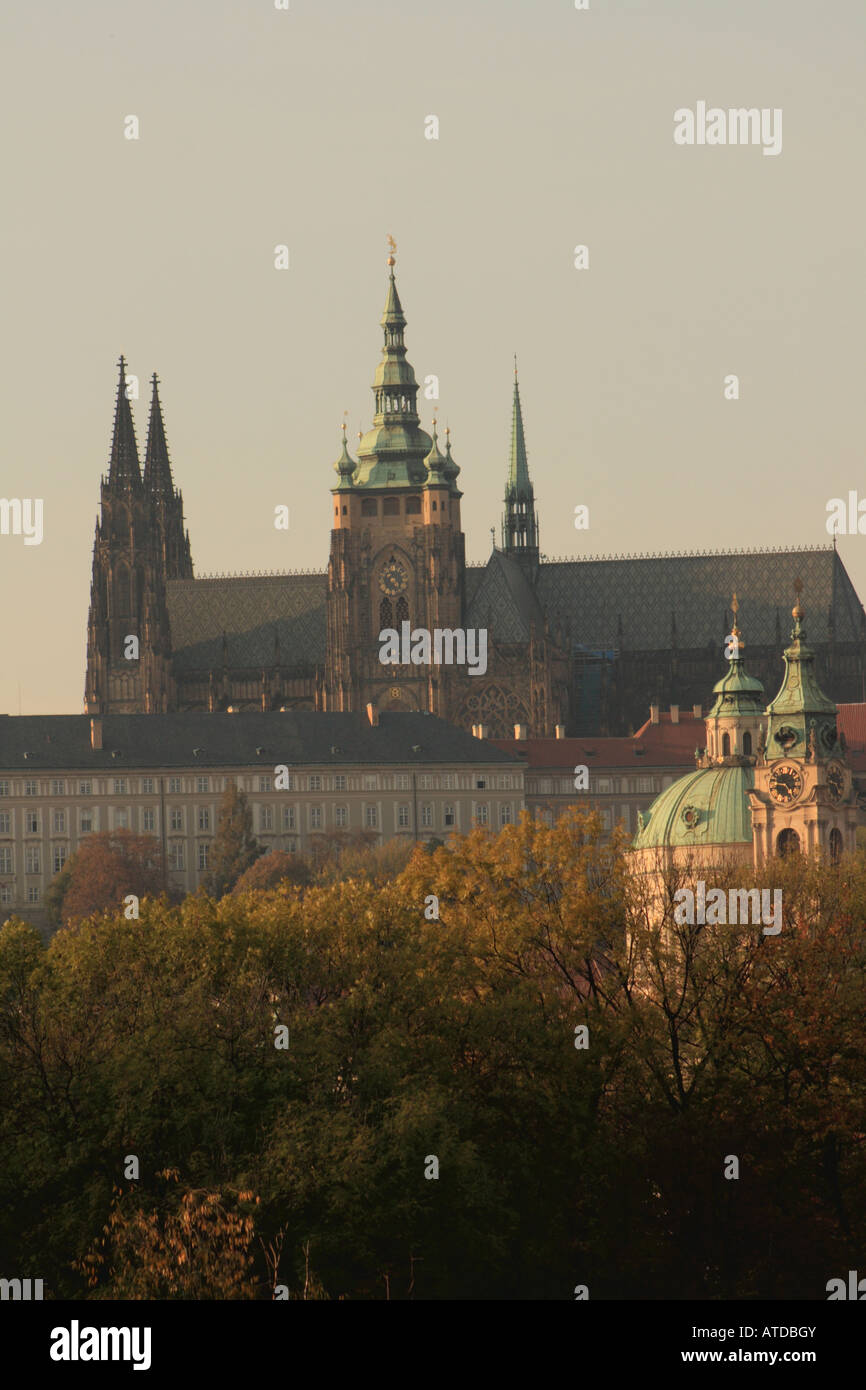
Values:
[(645, 593), (502, 600), (249, 610)]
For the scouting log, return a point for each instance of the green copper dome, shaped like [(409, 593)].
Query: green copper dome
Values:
[(737, 692), (707, 807)]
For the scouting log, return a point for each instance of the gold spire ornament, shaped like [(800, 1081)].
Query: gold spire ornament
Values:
[(392, 247)]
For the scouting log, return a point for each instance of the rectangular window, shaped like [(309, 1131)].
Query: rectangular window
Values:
[(120, 786), (402, 781), (204, 854), (203, 819), (371, 782), (339, 782), (315, 782), (5, 894), (31, 822), (427, 816), (602, 784), (175, 818), (481, 813), (58, 823), (371, 817), (505, 781), (4, 788), (33, 860), (31, 788), (176, 856), (85, 788), (58, 857), (85, 822), (448, 781), (5, 859), (175, 786), (448, 817), (147, 786), (402, 817), (148, 818), (266, 784), (315, 817), (202, 784), (121, 818), (341, 817), (33, 892), (506, 814), (645, 784), (266, 818), (58, 786), (425, 781), (5, 822), (288, 818)]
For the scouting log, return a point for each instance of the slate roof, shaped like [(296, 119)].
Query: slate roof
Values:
[(503, 600), (249, 610), (298, 737), (627, 604), (695, 590)]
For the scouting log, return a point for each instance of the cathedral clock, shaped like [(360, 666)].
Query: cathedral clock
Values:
[(835, 781), (392, 580), (786, 783)]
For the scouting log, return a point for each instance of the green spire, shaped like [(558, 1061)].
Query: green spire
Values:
[(436, 463), (518, 484), (345, 465), (392, 452), (801, 706), (737, 692), (520, 523)]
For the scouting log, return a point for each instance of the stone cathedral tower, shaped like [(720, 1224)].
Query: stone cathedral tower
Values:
[(139, 544), (397, 548)]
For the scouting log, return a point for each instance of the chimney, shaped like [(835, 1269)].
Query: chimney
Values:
[(675, 714), (96, 733), (520, 731), (697, 711), (373, 716), (560, 731), (654, 714)]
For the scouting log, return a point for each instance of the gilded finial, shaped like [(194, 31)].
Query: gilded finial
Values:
[(392, 247), (735, 608), (345, 418)]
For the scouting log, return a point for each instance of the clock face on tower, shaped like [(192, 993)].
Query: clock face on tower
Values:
[(786, 783), (835, 781), (392, 580)]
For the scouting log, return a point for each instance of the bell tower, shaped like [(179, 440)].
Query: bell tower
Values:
[(397, 549), (802, 799)]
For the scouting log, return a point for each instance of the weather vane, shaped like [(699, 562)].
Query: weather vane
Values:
[(392, 247)]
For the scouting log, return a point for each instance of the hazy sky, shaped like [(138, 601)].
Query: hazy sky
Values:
[(306, 127)]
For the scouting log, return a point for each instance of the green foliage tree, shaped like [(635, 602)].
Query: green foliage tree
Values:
[(234, 847)]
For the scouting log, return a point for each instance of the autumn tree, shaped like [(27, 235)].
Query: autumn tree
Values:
[(105, 869), (234, 847)]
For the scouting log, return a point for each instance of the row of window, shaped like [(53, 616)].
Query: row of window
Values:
[(602, 786), (314, 782), (268, 818)]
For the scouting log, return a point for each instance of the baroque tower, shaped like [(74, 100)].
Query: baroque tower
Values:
[(397, 549), (139, 532), (802, 798)]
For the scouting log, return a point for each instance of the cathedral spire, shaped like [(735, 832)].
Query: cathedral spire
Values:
[(393, 451), (157, 467), (520, 523), (123, 469)]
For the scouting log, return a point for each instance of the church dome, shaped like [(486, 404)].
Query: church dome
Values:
[(738, 693), (707, 807)]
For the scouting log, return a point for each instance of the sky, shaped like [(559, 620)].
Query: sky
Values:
[(306, 127)]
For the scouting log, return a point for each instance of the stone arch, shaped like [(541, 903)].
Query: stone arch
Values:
[(787, 842)]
